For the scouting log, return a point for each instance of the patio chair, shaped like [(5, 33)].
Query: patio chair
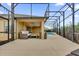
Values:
[(24, 34)]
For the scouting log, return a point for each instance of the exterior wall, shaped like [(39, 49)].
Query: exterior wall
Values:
[(3, 35), (36, 29), (20, 27)]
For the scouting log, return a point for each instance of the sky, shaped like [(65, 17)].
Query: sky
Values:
[(39, 10)]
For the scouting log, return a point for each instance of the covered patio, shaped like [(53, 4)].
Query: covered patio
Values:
[(63, 23)]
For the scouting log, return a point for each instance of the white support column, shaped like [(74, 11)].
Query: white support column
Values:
[(42, 30)]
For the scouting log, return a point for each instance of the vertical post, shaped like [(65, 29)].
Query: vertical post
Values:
[(53, 27), (48, 9), (63, 24), (31, 10), (73, 19), (59, 25), (12, 21), (31, 14), (8, 24), (42, 30)]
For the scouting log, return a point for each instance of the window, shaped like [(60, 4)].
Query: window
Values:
[(6, 27)]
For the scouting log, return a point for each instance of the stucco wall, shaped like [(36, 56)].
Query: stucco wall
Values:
[(36, 29)]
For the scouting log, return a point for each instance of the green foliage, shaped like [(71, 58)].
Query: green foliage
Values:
[(77, 27), (69, 27)]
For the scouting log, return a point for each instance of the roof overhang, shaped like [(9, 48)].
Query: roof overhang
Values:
[(32, 18)]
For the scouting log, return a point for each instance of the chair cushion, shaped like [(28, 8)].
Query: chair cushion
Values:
[(75, 52), (70, 55)]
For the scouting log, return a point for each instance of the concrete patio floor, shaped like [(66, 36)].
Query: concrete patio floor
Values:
[(55, 45)]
